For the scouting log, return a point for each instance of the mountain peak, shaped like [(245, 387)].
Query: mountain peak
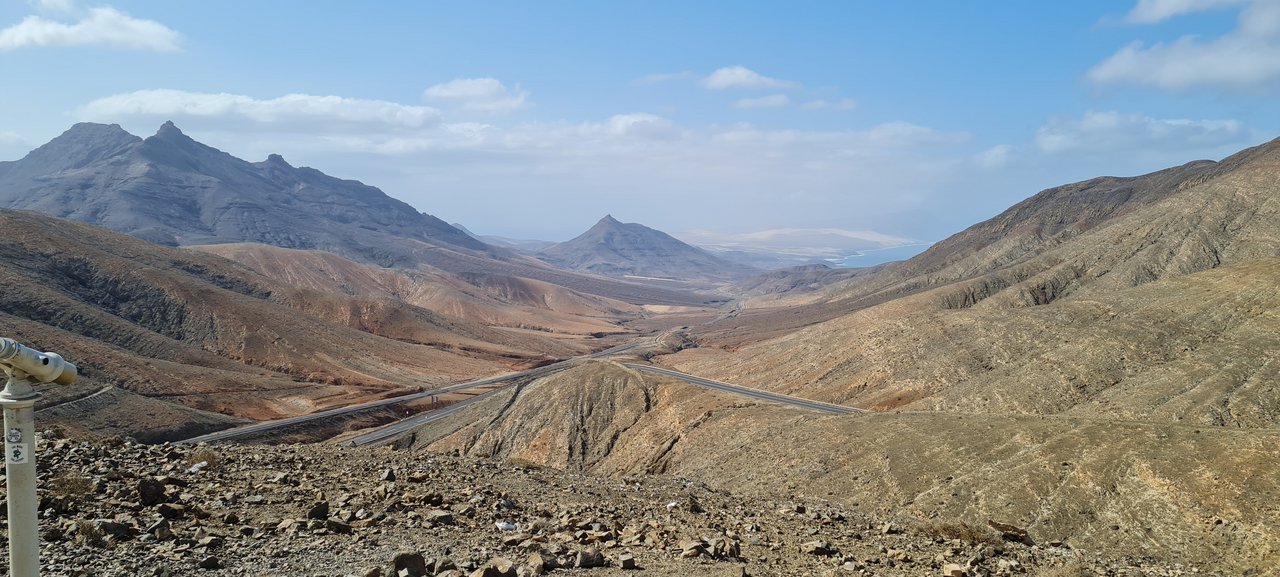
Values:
[(82, 144), (170, 131), (276, 159), (613, 248)]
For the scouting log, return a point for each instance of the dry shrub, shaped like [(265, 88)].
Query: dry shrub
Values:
[(964, 531), (88, 533), (72, 486), (206, 455)]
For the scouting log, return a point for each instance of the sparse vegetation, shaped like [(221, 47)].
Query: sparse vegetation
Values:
[(205, 455), (88, 533), (71, 486)]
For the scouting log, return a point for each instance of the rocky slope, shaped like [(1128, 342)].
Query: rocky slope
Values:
[(1161, 311), (1152, 493), (117, 508), (619, 249), (179, 326)]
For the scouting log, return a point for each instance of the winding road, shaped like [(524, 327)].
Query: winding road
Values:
[(404, 425)]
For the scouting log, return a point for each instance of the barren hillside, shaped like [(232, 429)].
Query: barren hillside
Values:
[(201, 331), (1150, 492), (1163, 311)]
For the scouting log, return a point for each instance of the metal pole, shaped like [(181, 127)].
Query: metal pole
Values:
[(18, 400)]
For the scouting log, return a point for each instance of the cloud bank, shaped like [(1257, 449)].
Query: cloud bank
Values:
[(290, 108), (479, 95), (101, 26), (1247, 57)]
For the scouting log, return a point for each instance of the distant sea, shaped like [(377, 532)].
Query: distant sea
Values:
[(877, 256)]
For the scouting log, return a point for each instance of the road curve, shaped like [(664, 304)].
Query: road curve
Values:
[(747, 391), (265, 426)]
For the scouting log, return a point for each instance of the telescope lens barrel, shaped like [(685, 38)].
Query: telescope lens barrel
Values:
[(42, 367)]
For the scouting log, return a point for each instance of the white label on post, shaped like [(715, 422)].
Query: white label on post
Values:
[(16, 453)]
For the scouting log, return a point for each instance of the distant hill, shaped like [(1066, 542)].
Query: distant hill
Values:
[(521, 244), (617, 249), (189, 341), (172, 190)]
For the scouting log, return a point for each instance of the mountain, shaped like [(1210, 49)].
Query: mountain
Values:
[(171, 342), (1123, 298), (1097, 365), (170, 189), (617, 249)]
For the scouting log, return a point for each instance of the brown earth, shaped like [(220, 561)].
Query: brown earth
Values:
[(323, 510), (1162, 492), (185, 327), (489, 300)]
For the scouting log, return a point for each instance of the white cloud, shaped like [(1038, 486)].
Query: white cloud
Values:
[(100, 26), (1109, 132), (1246, 57), (291, 108), (478, 95), (1153, 11), (997, 156), (742, 77), (771, 101), (842, 104), (663, 77)]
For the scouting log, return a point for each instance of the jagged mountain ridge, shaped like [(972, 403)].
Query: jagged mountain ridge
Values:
[(617, 249), (173, 190)]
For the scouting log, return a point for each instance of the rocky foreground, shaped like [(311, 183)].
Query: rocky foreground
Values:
[(119, 508)]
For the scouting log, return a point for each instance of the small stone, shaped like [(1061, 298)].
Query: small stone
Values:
[(373, 572), (319, 511), (953, 570), (413, 563), (210, 562), (388, 475), (627, 561), (817, 548), (150, 491), (589, 558), (439, 517)]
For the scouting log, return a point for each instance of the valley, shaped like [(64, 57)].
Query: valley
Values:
[(1095, 367)]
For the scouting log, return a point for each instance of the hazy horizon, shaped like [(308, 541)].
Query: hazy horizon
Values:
[(908, 121)]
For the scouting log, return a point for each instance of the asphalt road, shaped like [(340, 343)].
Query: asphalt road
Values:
[(757, 394), (410, 423), (266, 426)]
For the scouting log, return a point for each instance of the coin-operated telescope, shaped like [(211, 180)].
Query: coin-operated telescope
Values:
[(37, 367), (25, 367)]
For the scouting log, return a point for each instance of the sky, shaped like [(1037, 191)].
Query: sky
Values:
[(877, 123)]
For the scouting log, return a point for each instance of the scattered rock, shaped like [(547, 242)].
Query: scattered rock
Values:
[(413, 563), (1012, 533), (817, 548)]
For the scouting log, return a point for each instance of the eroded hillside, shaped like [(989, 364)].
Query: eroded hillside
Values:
[(1142, 490)]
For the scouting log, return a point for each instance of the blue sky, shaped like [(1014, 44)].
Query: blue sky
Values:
[(886, 121)]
